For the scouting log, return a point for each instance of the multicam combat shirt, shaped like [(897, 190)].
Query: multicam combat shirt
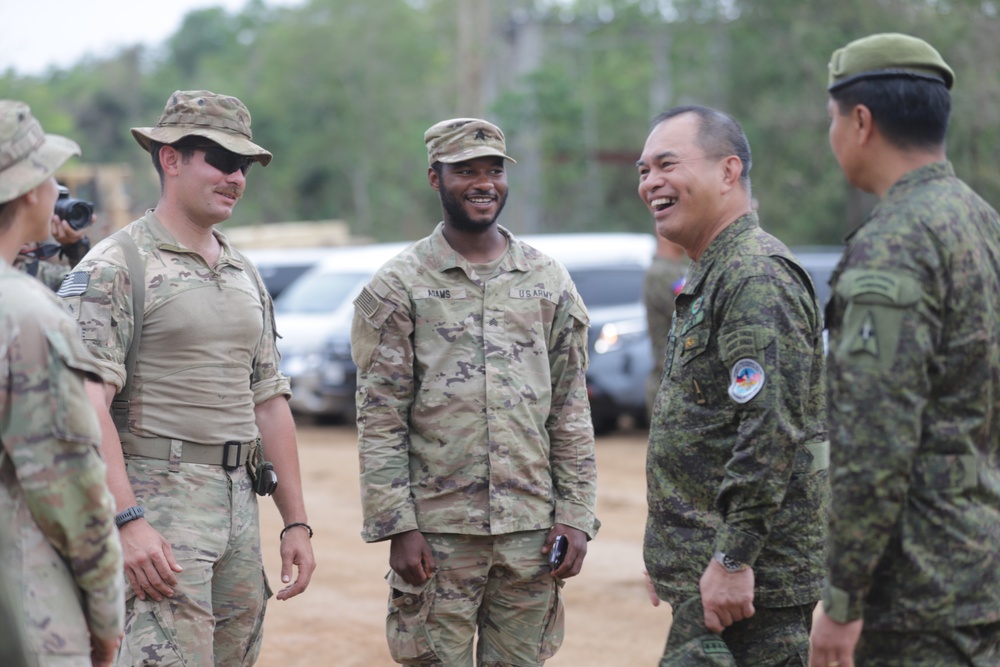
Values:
[(207, 353), (472, 404), (735, 460), (914, 375)]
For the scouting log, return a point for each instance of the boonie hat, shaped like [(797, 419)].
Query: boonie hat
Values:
[(219, 118), (889, 54), (461, 139), (28, 156)]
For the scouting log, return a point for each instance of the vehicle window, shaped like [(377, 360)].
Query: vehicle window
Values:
[(319, 292), (609, 286)]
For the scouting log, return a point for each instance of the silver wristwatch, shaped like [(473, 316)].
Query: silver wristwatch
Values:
[(730, 564)]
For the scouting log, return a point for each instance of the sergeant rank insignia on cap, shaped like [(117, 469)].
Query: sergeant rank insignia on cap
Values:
[(747, 380)]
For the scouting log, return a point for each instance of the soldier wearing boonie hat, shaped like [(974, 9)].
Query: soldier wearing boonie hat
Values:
[(499, 441), (913, 378), (55, 504), (198, 589)]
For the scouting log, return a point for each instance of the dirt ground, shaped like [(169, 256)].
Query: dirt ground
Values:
[(340, 619)]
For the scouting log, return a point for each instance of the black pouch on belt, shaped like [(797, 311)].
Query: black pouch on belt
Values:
[(262, 474)]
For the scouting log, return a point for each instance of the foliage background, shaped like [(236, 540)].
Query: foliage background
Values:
[(341, 92)]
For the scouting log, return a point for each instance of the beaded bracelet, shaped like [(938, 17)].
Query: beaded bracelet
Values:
[(293, 525)]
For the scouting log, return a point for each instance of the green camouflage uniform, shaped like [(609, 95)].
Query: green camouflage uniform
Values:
[(58, 514), (658, 296), (737, 457), (914, 391), (473, 419), (207, 357)]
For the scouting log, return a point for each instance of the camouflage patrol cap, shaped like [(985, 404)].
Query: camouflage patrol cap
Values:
[(219, 118), (691, 643), (28, 156), (888, 54), (461, 139)]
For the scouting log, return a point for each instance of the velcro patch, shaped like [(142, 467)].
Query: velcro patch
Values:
[(747, 379), (74, 284), (367, 303), (438, 293), (535, 293)]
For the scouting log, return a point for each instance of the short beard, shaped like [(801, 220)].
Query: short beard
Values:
[(459, 219)]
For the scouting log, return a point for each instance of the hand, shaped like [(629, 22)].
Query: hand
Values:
[(726, 596), (103, 651), (63, 233), (576, 550), (149, 560), (651, 590), (833, 643), (410, 557), (296, 551)]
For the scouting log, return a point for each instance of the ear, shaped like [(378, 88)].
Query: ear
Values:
[(732, 168), (433, 179), (862, 124), (170, 159)]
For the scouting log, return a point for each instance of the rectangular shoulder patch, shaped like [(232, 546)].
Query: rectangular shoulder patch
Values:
[(533, 293), (743, 343), (74, 284), (366, 303), (438, 293)]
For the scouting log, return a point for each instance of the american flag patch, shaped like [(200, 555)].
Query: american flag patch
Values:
[(74, 284)]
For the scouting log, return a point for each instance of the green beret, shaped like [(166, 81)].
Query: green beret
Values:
[(888, 55)]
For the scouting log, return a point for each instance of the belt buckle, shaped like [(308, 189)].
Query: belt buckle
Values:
[(228, 456)]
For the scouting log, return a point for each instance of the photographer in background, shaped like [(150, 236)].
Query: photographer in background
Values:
[(50, 262)]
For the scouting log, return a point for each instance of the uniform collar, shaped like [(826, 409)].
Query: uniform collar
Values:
[(444, 257), (164, 240), (910, 181), (719, 248)]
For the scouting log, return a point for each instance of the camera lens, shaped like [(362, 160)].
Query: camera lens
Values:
[(76, 212)]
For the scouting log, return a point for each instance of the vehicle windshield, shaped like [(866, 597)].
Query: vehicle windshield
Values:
[(609, 286), (319, 293)]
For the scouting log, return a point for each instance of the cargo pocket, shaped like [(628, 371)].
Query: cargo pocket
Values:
[(150, 639), (553, 628), (406, 620)]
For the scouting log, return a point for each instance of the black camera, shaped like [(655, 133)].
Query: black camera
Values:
[(77, 212)]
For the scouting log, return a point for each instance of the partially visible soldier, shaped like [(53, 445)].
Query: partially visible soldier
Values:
[(736, 470), (51, 262), (54, 501), (914, 379), (663, 282)]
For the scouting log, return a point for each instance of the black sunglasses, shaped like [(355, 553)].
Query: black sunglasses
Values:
[(225, 161)]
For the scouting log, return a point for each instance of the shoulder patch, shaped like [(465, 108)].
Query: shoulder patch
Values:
[(367, 303), (74, 284), (747, 379)]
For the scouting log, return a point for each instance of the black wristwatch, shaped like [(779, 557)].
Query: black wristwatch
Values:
[(131, 514), (730, 564)]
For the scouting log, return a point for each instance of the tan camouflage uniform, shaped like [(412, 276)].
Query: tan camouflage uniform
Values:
[(54, 501), (192, 385), (474, 427)]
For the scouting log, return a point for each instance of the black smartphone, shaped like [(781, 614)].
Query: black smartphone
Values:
[(558, 552)]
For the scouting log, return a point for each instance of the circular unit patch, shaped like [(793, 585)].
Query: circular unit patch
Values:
[(747, 380)]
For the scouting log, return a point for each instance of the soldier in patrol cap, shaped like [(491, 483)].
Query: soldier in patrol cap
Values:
[(56, 512), (194, 402), (914, 378), (475, 435), (736, 471)]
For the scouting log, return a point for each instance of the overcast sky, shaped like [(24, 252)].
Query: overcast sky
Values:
[(37, 34)]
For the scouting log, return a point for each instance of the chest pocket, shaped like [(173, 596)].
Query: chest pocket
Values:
[(693, 343)]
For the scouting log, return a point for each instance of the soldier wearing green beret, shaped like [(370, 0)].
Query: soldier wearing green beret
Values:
[(736, 468), (914, 379), (56, 511), (183, 330), (474, 429)]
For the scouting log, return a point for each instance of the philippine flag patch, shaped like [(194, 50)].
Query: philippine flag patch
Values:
[(747, 380)]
